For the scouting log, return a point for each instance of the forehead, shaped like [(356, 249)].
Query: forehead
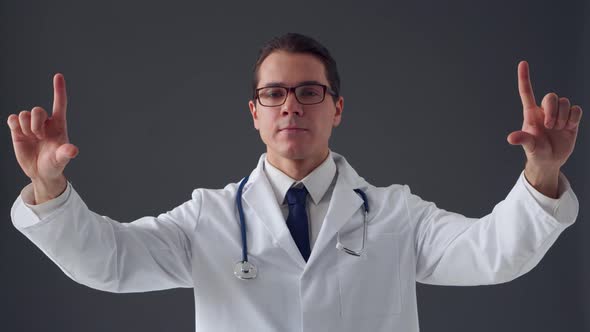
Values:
[(290, 69)]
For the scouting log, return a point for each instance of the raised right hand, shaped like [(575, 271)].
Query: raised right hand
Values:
[(40, 142)]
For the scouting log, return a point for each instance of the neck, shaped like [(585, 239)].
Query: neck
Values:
[(297, 168)]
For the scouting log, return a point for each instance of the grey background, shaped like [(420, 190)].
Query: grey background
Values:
[(158, 106)]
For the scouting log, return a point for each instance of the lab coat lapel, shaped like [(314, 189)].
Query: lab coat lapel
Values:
[(259, 197), (343, 204)]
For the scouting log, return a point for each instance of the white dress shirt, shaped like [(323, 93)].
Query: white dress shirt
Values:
[(319, 183)]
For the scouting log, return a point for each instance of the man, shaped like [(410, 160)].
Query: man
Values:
[(307, 260)]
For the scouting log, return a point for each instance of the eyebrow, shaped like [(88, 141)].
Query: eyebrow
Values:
[(282, 84)]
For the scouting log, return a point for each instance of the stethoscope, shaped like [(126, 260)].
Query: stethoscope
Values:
[(245, 270)]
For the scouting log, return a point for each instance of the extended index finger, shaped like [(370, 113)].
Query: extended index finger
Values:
[(60, 99), (525, 87)]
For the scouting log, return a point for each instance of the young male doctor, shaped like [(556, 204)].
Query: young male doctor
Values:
[(303, 243)]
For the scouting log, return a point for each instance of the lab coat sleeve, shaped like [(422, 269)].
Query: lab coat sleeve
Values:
[(150, 253), (452, 249)]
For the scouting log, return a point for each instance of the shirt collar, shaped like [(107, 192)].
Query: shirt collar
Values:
[(316, 182)]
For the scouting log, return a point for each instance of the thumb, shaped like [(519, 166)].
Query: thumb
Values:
[(64, 153), (522, 138)]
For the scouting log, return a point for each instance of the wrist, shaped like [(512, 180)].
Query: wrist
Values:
[(544, 179), (46, 190)]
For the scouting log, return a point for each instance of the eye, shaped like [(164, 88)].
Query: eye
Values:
[(309, 92), (272, 93)]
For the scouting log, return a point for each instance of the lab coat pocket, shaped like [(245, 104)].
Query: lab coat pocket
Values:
[(370, 285)]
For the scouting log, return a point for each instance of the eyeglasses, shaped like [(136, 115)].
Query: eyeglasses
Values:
[(306, 94)]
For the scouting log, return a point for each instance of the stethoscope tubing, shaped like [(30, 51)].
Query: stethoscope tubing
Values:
[(245, 270), (242, 219)]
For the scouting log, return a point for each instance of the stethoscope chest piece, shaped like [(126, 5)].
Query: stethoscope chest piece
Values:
[(245, 270)]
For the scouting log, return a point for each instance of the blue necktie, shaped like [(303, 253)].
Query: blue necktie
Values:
[(297, 219)]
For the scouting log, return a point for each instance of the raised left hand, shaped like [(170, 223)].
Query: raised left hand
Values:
[(549, 131)]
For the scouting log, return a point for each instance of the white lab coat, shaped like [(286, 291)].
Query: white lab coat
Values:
[(197, 244)]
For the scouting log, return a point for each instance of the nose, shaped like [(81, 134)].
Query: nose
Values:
[(291, 105)]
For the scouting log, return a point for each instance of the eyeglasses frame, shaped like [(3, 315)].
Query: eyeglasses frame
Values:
[(292, 89)]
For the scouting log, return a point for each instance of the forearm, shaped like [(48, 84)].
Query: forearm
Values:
[(150, 253), (505, 244), (80, 242)]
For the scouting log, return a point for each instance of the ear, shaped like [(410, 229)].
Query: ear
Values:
[(254, 112), (338, 115)]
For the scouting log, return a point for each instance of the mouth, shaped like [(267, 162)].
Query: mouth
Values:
[(293, 129)]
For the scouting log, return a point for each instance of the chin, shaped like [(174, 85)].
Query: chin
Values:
[(294, 152)]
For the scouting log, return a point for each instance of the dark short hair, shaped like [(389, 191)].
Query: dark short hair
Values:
[(298, 43)]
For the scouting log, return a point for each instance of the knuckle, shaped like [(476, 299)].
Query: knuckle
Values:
[(39, 114), (564, 112), (25, 122), (550, 99), (576, 111), (36, 128)]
